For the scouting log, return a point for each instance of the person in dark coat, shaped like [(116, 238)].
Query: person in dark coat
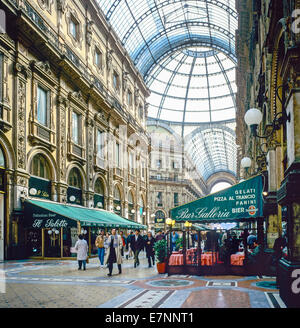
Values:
[(279, 245), (137, 244), (128, 246), (159, 236), (149, 245)]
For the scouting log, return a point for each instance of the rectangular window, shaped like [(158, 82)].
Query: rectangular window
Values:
[(143, 170), (75, 127), (74, 28), (117, 154), (116, 81), (159, 198), (141, 111), (100, 143), (175, 199), (129, 98), (98, 58), (131, 163), (158, 163), (42, 96)]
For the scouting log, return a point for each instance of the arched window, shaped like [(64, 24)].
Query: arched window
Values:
[(160, 217), (2, 159), (117, 194), (99, 189), (40, 167), (74, 179), (131, 210), (39, 182), (99, 194), (117, 201), (74, 192), (2, 170)]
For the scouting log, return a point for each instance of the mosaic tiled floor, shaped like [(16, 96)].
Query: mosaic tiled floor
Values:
[(59, 284)]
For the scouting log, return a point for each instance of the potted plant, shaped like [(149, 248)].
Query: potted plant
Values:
[(160, 248), (179, 244)]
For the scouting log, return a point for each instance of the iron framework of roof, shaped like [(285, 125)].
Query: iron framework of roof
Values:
[(185, 51)]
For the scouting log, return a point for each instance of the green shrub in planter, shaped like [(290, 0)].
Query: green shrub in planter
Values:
[(160, 249), (179, 243)]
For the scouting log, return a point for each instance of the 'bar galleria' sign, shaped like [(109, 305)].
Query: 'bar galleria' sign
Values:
[(243, 200)]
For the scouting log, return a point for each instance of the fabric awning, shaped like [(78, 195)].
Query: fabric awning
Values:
[(240, 202), (48, 214)]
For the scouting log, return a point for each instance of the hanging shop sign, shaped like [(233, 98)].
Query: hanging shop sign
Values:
[(98, 201), (40, 188), (38, 218), (241, 201), (74, 195)]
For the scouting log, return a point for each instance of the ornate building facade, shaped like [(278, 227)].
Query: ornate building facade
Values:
[(174, 179), (73, 115), (268, 46)]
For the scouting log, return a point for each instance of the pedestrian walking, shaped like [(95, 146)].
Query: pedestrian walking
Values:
[(129, 239), (149, 245), (123, 243), (81, 247), (113, 245), (100, 245), (137, 244)]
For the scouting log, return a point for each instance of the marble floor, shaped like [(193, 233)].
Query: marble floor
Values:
[(59, 284)]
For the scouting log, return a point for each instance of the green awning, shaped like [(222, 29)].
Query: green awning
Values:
[(242, 201), (48, 214)]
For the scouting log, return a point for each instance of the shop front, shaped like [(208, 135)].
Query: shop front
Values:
[(52, 229), (218, 250)]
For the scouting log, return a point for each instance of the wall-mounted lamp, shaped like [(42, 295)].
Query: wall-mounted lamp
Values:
[(246, 163), (32, 191), (132, 211), (253, 118), (118, 208), (72, 198), (99, 204)]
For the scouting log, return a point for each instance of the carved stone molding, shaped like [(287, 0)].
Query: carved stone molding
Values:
[(89, 32), (61, 5), (109, 57), (23, 70), (125, 80), (21, 124)]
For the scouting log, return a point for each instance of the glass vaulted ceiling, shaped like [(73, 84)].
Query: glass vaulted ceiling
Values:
[(185, 50)]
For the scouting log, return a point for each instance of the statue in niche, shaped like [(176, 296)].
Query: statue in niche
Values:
[(125, 80), (109, 59)]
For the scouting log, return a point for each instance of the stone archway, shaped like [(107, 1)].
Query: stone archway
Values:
[(221, 177)]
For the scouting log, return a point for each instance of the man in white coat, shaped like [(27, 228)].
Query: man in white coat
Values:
[(113, 245), (81, 247)]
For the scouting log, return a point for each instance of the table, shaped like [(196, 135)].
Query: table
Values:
[(237, 259), (177, 259)]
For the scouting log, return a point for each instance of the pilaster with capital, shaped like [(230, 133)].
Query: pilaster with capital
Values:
[(62, 104)]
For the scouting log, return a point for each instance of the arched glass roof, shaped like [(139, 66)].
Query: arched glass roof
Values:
[(213, 150), (185, 51)]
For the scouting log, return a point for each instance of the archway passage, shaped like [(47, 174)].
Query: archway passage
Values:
[(220, 180), (220, 186)]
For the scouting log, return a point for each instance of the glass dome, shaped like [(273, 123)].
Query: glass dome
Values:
[(185, 51), (194, 85)]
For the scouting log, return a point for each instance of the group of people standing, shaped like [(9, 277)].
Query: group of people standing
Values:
[(113, 247)]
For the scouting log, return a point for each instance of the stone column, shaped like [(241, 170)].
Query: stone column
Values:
[(288, 195)]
